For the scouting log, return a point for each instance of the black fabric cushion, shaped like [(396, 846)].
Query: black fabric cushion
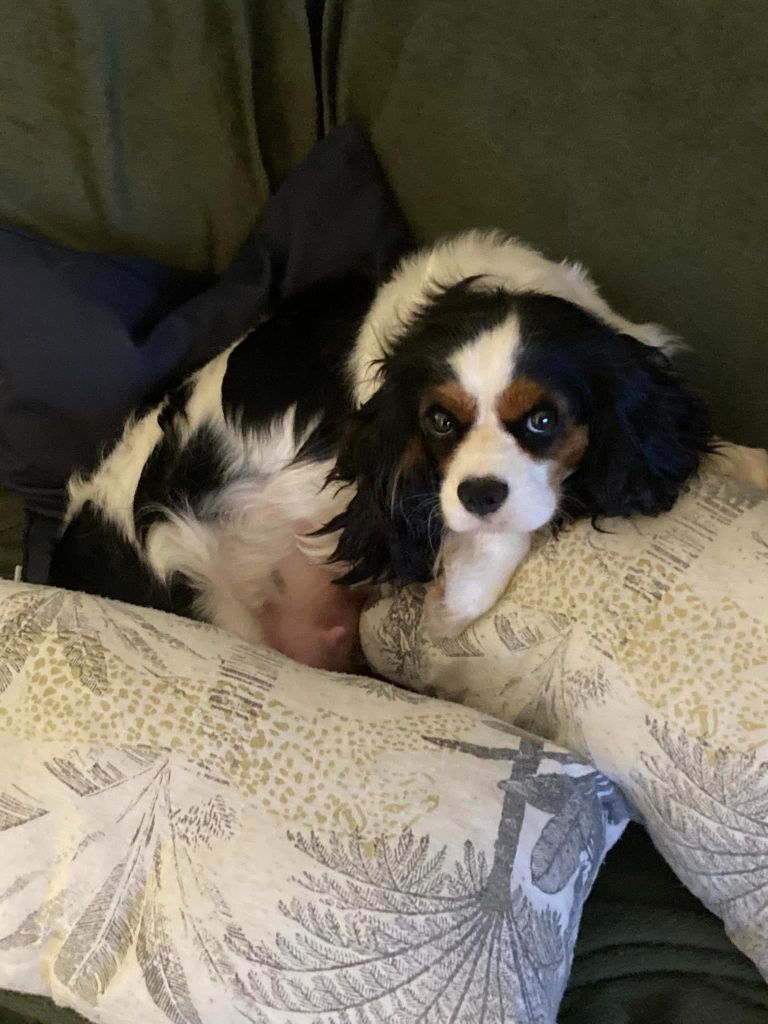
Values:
[(85, 337)]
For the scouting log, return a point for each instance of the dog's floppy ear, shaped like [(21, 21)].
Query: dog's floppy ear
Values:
[(391, 528), (647, 434)]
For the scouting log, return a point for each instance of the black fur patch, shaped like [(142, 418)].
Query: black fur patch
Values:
[(297, 357), (392, 527), (178, 476), (91, 556)]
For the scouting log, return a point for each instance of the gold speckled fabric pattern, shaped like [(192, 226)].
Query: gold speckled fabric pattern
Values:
[(198, 831)]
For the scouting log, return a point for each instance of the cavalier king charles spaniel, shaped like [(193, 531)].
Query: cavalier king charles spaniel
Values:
[(421, 431)]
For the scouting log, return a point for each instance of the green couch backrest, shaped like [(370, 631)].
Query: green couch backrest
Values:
[(629, 136), (155, 127)]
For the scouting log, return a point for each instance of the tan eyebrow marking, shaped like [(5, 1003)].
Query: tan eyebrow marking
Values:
[(455, 400), (523, 395), (519, 398)]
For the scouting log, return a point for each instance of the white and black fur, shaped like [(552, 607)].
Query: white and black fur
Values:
[(423, 430)]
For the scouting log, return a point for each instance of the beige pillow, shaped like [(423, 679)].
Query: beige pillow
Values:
[(197, 831), (645, 648)]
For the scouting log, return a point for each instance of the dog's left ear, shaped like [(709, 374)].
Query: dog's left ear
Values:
[(647, 434), (391, 529)]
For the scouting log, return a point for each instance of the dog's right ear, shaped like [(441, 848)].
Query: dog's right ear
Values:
[(391, 529)]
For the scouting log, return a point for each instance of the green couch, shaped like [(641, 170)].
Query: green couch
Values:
[(628, 136)]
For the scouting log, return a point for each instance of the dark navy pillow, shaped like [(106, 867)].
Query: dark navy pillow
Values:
[(73, 357)]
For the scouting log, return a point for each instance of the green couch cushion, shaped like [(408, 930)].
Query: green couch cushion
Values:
[(649, 953), (628, 136), (16, 1008), (155, 128)]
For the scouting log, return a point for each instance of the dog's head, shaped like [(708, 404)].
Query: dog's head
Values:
[(498, 411)]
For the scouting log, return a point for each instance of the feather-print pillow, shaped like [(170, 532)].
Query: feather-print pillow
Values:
[(197, 831), (644, 646)]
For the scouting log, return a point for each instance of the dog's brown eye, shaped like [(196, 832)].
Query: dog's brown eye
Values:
[(439, 422), (542, 421)]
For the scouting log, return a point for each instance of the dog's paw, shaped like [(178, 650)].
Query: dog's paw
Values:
[(440, 621), (747, 465)]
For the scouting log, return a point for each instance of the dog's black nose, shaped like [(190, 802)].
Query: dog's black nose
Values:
[(482, 495)]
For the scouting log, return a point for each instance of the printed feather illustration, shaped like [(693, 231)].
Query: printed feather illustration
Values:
[(95, 948), (399, 934), (24, 628), (709, 812), (160, 964)]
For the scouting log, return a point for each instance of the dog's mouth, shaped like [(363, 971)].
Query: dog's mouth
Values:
[(490, 524)]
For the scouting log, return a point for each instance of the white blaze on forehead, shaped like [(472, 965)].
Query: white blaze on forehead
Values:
[(484, 365)]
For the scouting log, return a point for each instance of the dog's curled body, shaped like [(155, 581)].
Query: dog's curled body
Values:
[(425, 429), (201, 506)]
